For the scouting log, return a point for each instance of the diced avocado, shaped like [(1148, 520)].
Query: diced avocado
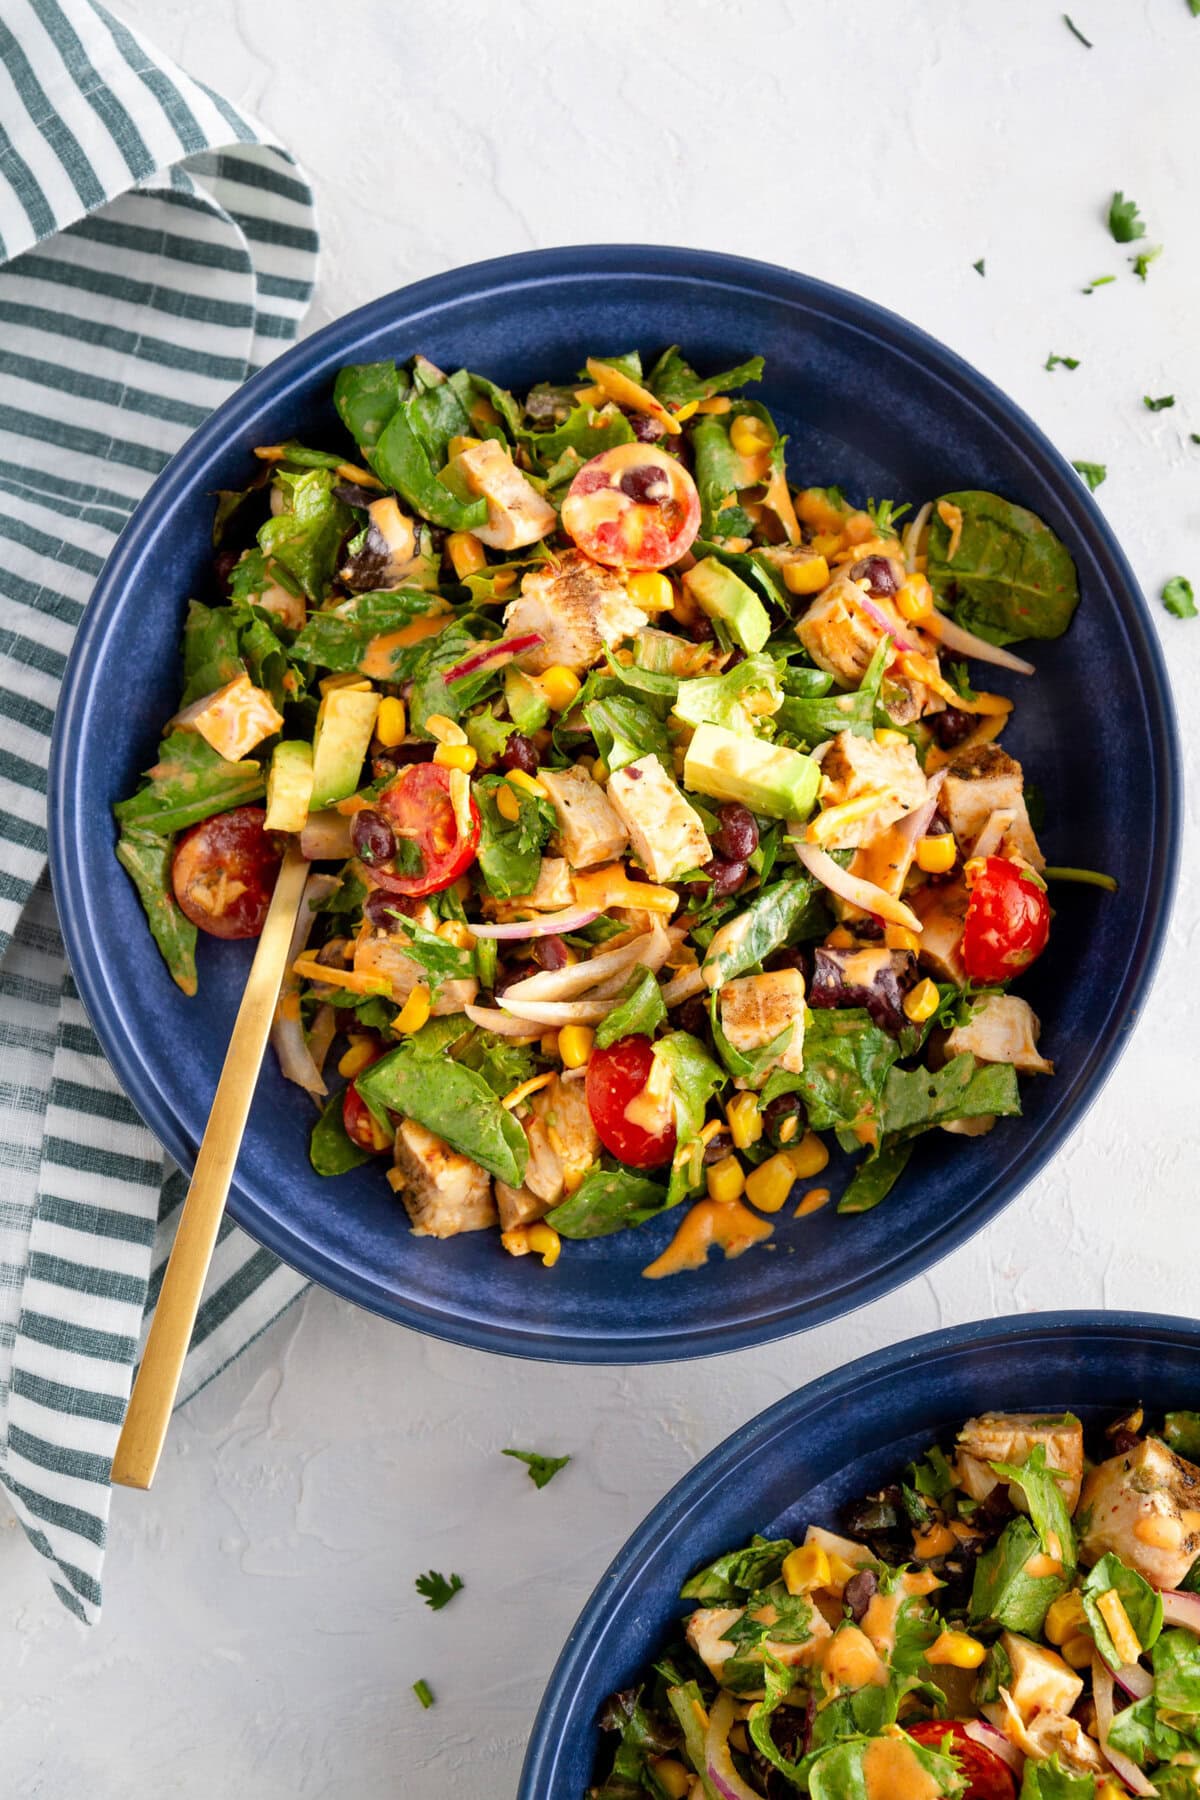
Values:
[(721, 594), (289, 786), (768, 778), (527, 705), (345, 721)]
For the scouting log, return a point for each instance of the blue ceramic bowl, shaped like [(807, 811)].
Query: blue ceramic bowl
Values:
[(868, 402), (804, 1458)]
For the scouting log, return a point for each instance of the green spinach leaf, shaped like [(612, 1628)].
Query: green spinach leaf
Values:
[(188, 783), (638, 1012), (453, 1102), (605, 1201), (146, 858), (366, 395), (330, 1149), (1010, 577), (341, 636)]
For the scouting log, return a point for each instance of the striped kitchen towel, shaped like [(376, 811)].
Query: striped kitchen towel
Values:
[(155, 248)]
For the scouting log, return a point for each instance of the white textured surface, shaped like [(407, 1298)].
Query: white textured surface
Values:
[(261, 1632)]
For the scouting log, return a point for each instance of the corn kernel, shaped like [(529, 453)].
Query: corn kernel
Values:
[(840, 1572), (560, 686), (1077, 1652), (808, 1157), (572, 1178), (806, 1568), (745, 1120), (507, 804), (750, 436), (826, 543), (789, 1129), (651, 591), (768, 1186), (456, 933), (936, 854), (457, 445), (415, 1011), (456, 756), (391, 723), (1066, 1618), (894, 740), (914, 600), (1111, 1790), (356, 1058), (725, 1179), (575, 1045), (807, 575), (899, 937), (921, 1002), (600, 770), (519, 778), (686, 411), (717, 403), (467, 555), (545, 1242), (672, 1777), (957, 1649), (840, 939)]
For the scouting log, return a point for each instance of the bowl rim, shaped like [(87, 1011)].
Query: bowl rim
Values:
[(694, 1491), (295, 372)]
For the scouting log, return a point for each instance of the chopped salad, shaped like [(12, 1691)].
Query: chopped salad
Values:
[(659, 822), (1008, 1618)]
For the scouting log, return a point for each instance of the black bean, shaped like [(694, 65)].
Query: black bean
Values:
[(692, 1016), (645, 429), (551, 953), (785, 1120), (859, 1592), (736, 655), (646, 483), (372, 837), (879, 573), (736, 836), (952, 726), (383, 910), (1124, 1441), (719, 1145), (401, 755), (790, 956), (224, 563), (519, 752), (726, 877)]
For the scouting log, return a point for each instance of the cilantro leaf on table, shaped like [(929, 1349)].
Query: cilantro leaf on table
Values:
[(979, 267), (1099, 281), (1124, 220), (1093, 473), (436, 1590), (424, 1693), (1054, 361), (1141, 262), (1159, 405), (1178, 598), (1075, 32), (541, 1468)]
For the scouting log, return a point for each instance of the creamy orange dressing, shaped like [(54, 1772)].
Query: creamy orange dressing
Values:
[(1159, 1532), (879, 1621), (862, 969), (939, 1540), (892, 1771), (884, 859), (726, 1223), (812, 1202), (852, 1661), (379, 656), (1041, 1565)]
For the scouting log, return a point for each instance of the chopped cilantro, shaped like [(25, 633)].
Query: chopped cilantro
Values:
[(436, 1591), (1159, 405), (424, 1693), (1054, 361), (1178, 598), (1194, 8), (979, 266), (1195, 436), (1093, 473), (884, 515), (541, 1468), (1124, 220), (1099, 281), (1074, 30), (1141, 262)]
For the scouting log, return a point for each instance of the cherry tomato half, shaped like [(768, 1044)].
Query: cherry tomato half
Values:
[(416, 803), (1007, 923), (616, 1076), (987, 1775), (360, 1124), (224, 870), (634, 507)]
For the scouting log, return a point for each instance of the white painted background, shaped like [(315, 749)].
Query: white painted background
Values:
[(261, 1632)]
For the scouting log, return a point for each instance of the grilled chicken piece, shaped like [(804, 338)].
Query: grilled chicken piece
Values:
[(1145, 1505), (665, 830), (942, 910), (382, 953), (1057, 1734), (855, 768), (705, 1633), (443, 1191), (562, 1144), (1041, 1680), (983, 780), (840, 634), (1004, 1029), (756, 1008), (577, 607), (1011, 1438), (517, 513), (589, 830)]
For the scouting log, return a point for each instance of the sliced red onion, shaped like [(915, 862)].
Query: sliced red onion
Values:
[(990, 1739), (1182, 1609), (650, 950), (881, 619), (287, 1031), (854, 889), (913, 826), (499, 1022), (573, 919), (718, 1761), (955, 637), (1136, 1681), (1102, 1694), (557, 1013), (494, 656)]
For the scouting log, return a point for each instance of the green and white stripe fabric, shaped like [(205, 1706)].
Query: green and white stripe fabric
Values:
[(155, 248)]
